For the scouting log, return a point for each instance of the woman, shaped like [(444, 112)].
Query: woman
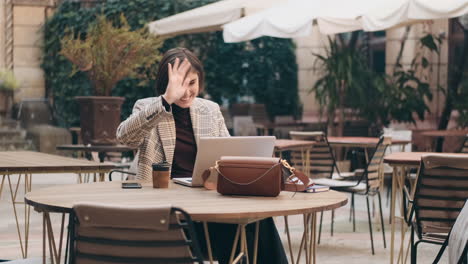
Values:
[(166, 128)]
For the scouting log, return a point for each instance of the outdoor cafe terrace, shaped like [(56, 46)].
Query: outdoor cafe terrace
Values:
[(234, 131)]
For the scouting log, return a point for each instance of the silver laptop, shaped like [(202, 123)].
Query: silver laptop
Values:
[(210, 149)]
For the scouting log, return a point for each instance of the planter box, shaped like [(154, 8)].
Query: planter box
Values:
[(6, 100), (99, 118)]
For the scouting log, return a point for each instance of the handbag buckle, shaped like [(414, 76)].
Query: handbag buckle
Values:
[(289, 167)]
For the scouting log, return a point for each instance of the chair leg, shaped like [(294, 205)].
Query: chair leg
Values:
[(413, 247), (389, 191), (351, 207), (370, 224), (382, 221), (320, 227), (354, 215), (441, 251), (332, 221)]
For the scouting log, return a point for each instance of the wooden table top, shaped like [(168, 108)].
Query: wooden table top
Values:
[(290, 144), (361, 141), (202, 204), (445, 133), (38, 162), (97, 148), (411, 158)]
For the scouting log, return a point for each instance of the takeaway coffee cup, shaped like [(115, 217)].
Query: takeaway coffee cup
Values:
[(161, 174)]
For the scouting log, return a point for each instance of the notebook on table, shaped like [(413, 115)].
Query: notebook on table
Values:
[(210, 149), (317, 188)]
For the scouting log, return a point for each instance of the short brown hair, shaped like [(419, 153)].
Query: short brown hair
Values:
[(162, 78)]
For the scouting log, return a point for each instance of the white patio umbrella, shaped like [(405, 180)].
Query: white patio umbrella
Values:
[(297, 17), (209, 17)]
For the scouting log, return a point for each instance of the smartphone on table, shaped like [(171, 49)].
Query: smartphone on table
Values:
[(131, 185)]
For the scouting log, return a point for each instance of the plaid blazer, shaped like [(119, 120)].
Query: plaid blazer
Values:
[(151, 129)]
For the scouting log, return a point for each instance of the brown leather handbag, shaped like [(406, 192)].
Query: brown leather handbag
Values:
[(257, 176)]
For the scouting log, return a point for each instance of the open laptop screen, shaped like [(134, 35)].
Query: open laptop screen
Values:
[(210, 149)]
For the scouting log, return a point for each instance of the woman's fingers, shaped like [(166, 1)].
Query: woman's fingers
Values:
[(184, 66), (169, 70), (178, 70), (176, 64)]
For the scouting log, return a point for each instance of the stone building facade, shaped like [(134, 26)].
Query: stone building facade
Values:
[(21, 43)]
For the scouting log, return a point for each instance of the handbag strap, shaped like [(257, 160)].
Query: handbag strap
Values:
[(291, 183), (246, 183)]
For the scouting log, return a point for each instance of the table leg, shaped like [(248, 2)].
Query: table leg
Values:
[(246, 251), (13, 197), (43, 239), (306, 242), (243, 245), (48, 238), (313, 239), (208, 243), (286, 225), (304, 238), (402, 220), (392, 212), (257, 231), (241, 240), (234, 245), (27, 211), (1, 185)]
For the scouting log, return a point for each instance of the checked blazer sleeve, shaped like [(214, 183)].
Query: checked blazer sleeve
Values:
[(146, 114)]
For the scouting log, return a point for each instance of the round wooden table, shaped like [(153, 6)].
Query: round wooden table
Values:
[(203, 205)]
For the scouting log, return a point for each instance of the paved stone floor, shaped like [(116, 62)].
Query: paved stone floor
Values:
[(344, 247)]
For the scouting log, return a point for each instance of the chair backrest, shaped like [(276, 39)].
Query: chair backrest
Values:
[(322, 161), (464, 147), (441, 191), (259, 113), (458, 240), (373, 173), (111, 234)]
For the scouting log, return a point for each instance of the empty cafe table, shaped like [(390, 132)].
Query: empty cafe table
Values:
[(437, 134), (27, 163), (361, 142)]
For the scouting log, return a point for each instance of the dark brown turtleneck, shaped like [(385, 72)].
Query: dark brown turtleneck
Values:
[(185, 150)]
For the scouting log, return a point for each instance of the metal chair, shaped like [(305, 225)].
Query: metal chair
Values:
[(114, 234), (322, 163), (368, 184), (441, 191)]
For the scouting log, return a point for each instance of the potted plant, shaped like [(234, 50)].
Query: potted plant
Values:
[(107, 54), (8, 85)]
